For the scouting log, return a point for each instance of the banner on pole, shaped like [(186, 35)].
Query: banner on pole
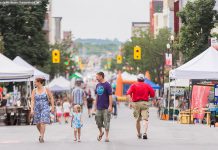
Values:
[(168, 59)]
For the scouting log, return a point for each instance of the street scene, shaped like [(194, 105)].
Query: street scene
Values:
[(109, 74), (164, 135)]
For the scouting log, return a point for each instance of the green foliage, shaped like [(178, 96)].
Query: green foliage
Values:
[(97, 46), (153, 49), (21, 27), (197, 19), (1, 44), (67, 64)]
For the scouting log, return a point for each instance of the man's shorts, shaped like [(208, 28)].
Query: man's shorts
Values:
[(102, 119), (141, 110)]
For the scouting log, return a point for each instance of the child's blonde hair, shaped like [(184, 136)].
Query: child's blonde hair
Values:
[(66, 99), (78, 108)]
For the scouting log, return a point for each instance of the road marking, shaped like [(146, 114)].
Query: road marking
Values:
[(9, 142)]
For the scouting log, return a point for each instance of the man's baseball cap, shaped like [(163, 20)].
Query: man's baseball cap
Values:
[(140, 77)]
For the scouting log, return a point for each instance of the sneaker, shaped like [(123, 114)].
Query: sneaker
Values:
[(145, 137), (139, 136)]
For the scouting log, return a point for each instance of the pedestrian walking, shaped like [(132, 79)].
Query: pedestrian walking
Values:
[(59, 112), (40, 109), (66, 109), (78, 95), (103, 106), (1, 91), (76, 122), (90, 101), (139, 94), (114, 97)]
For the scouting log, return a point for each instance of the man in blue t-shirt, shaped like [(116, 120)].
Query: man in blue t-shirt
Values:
[(103, 105)]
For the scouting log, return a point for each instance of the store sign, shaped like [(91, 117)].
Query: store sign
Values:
[(214, 41), (216, 90), (177, 91)]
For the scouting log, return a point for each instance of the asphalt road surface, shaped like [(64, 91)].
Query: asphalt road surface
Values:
[(163, 135)]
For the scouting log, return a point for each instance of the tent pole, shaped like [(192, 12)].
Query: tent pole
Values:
[(168, 98), (190, 99), (174, 101)]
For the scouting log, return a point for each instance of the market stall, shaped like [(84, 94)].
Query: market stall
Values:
[(59, 84), (18, 60), (9, 70), (201, 71), (175, 94), (12, 110)]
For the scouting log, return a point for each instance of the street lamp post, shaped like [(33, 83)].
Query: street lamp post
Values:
[(168, 104), (168, 51)]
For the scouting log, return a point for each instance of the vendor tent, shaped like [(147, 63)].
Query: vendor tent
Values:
[(152, 84), (57, 88), (203, 66), (177, 83), (9, 70), (59, 84), (124, 81), (76, 76), (18, 60), (130, 77)]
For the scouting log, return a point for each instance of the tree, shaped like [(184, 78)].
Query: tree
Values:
[(21, 28), (67, 64), (1, 44), (153, 51), (197, 19)]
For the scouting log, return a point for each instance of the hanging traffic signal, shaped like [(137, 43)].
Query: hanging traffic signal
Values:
[(119, 59), (56, 56), (137, 53)]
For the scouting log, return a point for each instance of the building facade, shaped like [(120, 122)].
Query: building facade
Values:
[(138, 27)]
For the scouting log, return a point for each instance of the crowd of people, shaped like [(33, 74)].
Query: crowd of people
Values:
[(70, 107)]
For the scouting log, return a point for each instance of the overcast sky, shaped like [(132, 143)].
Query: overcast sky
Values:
[(100, 18)]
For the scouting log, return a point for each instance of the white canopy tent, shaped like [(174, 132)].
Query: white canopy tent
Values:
[(59, 84), (203, 66), (18, 60), (9, 70), (177, 83), (127, 76)]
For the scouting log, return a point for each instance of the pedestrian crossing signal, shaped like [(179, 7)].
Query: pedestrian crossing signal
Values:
[(56, 56), (137, 53), (119, 59)]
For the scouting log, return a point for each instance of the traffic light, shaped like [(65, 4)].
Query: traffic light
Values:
[(56, 56), (137, 53), (119, 59)]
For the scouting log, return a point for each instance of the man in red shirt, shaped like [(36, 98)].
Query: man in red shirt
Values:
[(139, 93), (1, 91)]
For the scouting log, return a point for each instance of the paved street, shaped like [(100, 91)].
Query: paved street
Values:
[(162, 135)]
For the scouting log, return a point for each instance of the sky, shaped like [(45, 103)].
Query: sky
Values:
[(100, 18)]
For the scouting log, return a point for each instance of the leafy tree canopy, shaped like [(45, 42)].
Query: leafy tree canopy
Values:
[(21, 28), (197, 18)]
